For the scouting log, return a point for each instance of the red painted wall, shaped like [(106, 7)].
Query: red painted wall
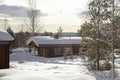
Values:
[(50, 51)]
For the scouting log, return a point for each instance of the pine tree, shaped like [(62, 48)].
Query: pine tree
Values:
[(10, 31), (98, 48)]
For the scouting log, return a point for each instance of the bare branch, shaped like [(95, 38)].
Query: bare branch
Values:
[(33, 23)]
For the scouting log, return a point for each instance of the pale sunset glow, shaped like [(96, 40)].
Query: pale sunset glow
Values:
[(56, 13)]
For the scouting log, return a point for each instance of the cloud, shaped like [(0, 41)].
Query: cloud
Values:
[(16, 11)]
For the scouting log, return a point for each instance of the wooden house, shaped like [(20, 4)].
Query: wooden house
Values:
[(5, 40), (52, 47)]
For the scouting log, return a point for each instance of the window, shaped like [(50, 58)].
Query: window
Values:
[(57, 51), (68, 50)]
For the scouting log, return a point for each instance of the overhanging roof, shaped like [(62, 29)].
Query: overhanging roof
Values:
[(43, 40)]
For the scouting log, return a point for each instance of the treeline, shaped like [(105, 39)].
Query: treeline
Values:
[(101, 33), (21, 37)]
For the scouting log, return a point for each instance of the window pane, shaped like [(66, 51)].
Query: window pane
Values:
[(57, 51)]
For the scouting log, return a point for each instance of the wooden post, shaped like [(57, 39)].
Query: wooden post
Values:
[(30, 49)]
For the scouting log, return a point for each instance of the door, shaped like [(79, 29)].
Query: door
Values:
[(4, 56)]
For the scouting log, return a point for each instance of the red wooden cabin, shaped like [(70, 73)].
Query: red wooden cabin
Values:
[(52, 47), (5, 40)]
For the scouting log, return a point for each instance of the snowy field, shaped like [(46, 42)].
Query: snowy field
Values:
[(24, 66)]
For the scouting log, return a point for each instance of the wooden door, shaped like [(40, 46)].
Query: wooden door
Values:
[(4, 56)]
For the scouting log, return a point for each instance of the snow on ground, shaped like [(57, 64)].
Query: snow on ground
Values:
[(25, 66)]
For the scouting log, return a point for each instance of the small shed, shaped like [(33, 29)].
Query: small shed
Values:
[(52, 47), (5, 40)]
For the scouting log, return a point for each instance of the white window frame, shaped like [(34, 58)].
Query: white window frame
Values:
[(57, 51)]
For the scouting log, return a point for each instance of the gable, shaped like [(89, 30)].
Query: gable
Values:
[(32, 44)]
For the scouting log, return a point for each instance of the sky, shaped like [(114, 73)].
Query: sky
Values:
[(53, 13)]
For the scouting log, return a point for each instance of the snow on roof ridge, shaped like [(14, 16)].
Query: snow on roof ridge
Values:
[(2, 30), (5, 36), (70, 38), (50, 40)]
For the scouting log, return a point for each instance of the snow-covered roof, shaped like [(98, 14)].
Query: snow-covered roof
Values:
[(4, 36), (67, 34), (50, 40)]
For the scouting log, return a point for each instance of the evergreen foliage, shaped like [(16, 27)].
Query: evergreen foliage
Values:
[(21, 38), (99, 31), (10, 31)]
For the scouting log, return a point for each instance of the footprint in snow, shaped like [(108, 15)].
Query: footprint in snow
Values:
[(56, 72), (21, 69), (29, 69), (36, 70), (20, 62)]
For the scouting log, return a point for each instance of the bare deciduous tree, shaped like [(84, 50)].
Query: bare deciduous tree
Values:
[(60, 30), (21, 28), (5, 23), (33, 22)]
